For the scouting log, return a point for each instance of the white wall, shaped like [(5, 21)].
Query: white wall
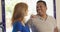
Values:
[(0, 12), (58, 13)]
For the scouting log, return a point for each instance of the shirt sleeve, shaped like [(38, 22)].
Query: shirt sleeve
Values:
[(17, 27), (55, 23), (31, 25)]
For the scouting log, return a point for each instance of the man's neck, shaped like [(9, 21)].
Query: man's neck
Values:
[(43, 16)]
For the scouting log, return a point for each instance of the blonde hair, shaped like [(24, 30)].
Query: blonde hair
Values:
[(19, 11)]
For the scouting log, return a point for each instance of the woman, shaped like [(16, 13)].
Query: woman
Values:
[(20, 11)]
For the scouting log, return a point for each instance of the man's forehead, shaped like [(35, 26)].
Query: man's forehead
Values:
[(40, 3)]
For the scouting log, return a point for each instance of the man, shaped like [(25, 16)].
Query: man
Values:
[(42, 22)]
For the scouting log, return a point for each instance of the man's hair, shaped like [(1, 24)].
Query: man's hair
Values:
[(42, 1)]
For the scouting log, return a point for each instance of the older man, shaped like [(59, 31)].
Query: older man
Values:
[(42, 22)]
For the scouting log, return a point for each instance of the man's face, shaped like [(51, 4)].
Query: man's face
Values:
[(41, 8)]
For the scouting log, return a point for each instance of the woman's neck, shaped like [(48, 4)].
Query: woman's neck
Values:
[(22, 21)]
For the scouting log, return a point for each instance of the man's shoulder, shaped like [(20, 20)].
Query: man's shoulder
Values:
[(29, 21), (51, 17)]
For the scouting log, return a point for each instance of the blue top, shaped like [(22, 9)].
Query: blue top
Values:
[(17, 26)]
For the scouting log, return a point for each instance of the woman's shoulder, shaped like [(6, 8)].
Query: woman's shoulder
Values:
[(17, 23), (17, 26)]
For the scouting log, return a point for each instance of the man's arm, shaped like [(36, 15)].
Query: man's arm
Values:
[(56, 29)]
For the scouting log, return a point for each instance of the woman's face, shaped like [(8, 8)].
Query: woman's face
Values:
[(26, 12)]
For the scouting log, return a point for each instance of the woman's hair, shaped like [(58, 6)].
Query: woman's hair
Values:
[(19, 11)]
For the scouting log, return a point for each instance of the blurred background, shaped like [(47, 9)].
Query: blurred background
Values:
[(0, 16), (9, 7)]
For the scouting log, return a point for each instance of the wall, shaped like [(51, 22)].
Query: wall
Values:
[(0, 12), (58, 13)]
